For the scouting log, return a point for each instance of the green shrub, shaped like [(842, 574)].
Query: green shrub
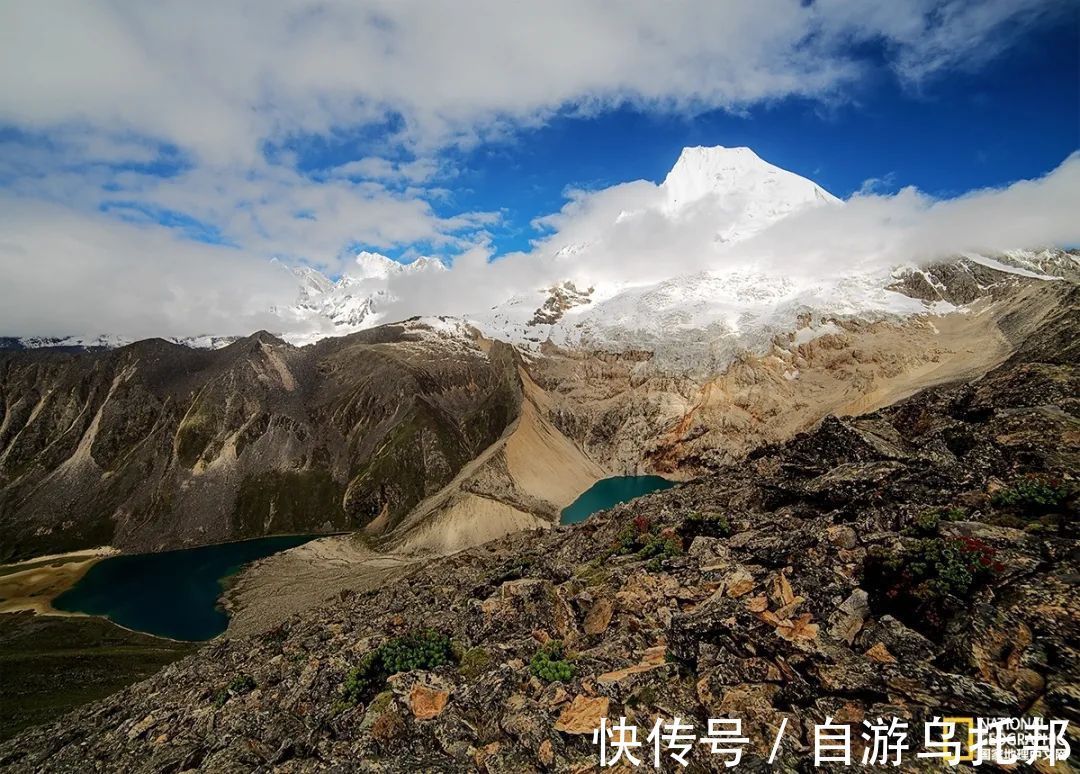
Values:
[(550, 663), (714, 525), (240, 684), (648, 541), (931, 580), (928, 523), (925, 525), (656, 547), (1034, 493), (363, 679), (426, 649)]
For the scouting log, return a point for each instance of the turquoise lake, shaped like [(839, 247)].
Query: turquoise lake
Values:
[(172, 594), (611, 491)]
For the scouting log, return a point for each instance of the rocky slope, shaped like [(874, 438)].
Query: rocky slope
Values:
[(156, 445), (916, 561), (521, 482), (634, 411)]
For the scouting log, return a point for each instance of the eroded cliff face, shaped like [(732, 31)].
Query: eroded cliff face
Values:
[(155, 445), (633, 414)]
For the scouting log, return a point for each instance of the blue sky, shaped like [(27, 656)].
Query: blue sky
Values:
[(1016, 118), (188, 143)]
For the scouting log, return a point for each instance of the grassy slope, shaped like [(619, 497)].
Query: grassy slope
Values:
[(49, 665)]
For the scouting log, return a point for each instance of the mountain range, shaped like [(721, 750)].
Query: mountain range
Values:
[(166, 443), (697, 320)]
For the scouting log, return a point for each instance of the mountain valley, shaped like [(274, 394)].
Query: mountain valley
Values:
[(811, 425)]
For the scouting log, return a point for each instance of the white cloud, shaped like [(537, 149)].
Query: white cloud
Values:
[(821, 244), (268, 209), (68, 272), (72, 273), (117, 88), (218, 78), (377, 168)]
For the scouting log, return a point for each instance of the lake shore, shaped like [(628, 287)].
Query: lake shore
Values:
[(32, 585)]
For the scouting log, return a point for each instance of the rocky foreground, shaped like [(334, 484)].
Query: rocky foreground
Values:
[(913, 562)]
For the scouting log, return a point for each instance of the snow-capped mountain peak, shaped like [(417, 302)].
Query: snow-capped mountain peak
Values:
[(374, 266), (313, 282), (753, 192), (359, 298)]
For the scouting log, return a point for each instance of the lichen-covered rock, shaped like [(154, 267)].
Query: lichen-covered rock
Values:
[(583, 715)]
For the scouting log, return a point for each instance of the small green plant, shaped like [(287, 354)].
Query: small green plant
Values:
[(952, 514), (239, 685), (714, 525), (363, 679), (630, 537), (924, 525), (426, 649), (1034, 493), (242, 684), (658, 547), (550, 663), (594, 572), (931, 580), (928, 523), (648, 541)]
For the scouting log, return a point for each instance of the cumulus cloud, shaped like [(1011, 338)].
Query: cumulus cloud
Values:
[(621, 235), (219, 79), (159, 283), (151, 140), (268, 209), (72, 273)]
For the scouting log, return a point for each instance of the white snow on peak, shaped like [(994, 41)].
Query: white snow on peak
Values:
[(354, 301), (376, 266), (748, 192), (312, 282), (697, 315), (113, 341)]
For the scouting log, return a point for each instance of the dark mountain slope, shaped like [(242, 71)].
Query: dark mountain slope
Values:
[(155, 445)]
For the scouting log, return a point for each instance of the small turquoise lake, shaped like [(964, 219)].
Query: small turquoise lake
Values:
[(608, 492), (172, 594)]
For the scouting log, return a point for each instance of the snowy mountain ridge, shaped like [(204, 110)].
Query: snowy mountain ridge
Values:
[(721, 195), (737, 182), (355, 301)]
